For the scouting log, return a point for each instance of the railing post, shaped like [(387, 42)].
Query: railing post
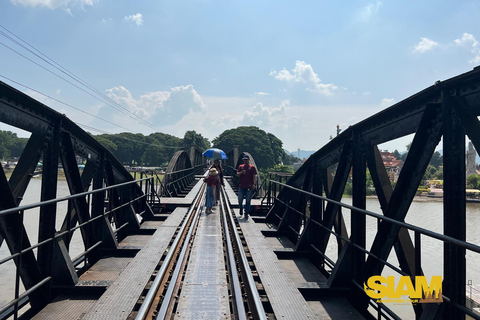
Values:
[(48, 213), (359, 201)]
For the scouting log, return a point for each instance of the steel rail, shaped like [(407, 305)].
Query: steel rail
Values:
[(147, 303), (239, 306), (165, 310), (255, 303)]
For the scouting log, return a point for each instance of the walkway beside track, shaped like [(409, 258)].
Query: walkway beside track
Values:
[(282, 278)]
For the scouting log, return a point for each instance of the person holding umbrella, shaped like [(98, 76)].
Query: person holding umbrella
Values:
[(246, 184), (218, 166)]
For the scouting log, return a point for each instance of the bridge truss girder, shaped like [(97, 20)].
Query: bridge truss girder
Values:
[(54, 137), (449, 109)]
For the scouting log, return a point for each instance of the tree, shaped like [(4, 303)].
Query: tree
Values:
[(437, 159), (107, 143), (282, 168), (397, 155), (473, 181), (154, 156), (168, 143), (290, 159), (191, 137), (263, 147), (11, 145)]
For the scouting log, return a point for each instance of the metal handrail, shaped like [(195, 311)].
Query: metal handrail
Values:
[(444, 238), (77, 195), (418, 231), (80, 257)]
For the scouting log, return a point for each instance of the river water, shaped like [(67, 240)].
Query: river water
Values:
[(31, 221), (425, 214)]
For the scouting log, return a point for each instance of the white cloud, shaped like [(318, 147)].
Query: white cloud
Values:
[(160, 107), (107, 20), (387, 102), (425, 45), (261, 94), (54, 4), (58, 92), (260, 115), (369, 11), (135, 18), (303, 73), (468, 39)]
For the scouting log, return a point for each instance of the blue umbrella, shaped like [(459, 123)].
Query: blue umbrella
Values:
[(215, 154)]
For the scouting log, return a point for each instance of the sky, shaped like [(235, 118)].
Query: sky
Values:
[(292, 68)]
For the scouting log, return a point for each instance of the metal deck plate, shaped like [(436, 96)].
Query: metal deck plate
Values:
[(120, 298), (281, 278), (151, 224), (104, 272), (134, 241), (204, 293), (66, 308)]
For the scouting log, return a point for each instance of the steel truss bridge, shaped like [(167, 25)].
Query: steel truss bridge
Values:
[(107, 207)]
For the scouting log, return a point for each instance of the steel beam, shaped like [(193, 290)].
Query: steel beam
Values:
[(336, 193), (454, 209), (48, 213), (359, 200), (423, 145), (16, 238), (75, 185), (26, 166)]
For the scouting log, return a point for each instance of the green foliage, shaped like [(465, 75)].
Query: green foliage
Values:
[(290, 159), (107, 143), (397, 154), (191, 137), (437, 159), (11, 145), (439, 174), (265, 148), (152, 150), (473, 181), (348, 189), (282, 168), (423, 189)]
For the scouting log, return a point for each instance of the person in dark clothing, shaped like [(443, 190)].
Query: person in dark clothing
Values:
[(246, 184)]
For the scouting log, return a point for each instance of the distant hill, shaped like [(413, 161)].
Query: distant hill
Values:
[(302, 154)]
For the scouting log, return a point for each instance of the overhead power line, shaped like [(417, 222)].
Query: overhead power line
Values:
[(96, 93), (64, 103), (92, 115)]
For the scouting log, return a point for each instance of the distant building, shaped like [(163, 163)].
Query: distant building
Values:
[(297, 165), (471, 154), (392, 165)]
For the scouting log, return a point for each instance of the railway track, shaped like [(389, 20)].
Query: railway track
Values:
[(206, 273)]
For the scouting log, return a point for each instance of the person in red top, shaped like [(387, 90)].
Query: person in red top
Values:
[(246, 184)]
